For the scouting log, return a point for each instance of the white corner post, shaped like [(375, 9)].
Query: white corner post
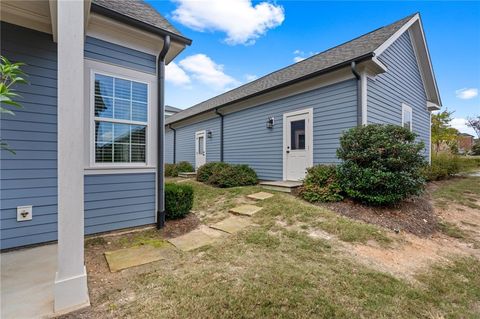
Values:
[(71, 291)]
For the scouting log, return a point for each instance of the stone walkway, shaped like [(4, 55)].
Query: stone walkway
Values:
[(202, 236)]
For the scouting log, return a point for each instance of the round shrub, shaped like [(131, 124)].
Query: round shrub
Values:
[(178, 200), (443, 166), (226, 175), (171, 170), (184, 166), (321, 185), (382, 164)]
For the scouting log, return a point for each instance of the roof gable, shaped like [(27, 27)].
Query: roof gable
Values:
[(361, 48)]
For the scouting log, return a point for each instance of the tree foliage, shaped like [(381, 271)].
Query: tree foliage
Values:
[(10, 75), (442, 133)]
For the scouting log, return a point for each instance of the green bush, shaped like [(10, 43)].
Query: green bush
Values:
[(445, 165), (321, 185), (185, 166), (226, 175), (178, 200), (171, 170), (382, 164), (476, 148)]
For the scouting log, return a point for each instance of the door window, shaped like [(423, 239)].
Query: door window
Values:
[(297, 135), (200, 145)]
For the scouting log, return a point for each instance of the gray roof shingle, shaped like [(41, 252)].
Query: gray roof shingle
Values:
[(138, 10), (324, 61)]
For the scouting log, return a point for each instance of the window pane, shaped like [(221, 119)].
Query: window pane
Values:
[(103, 153), (123, 89), (121, 153), (200, 145), (103, 107), (139, 111), (297, 129), (121, 133), (407, 119), (122, 109), (103, 132), (103, 85), (139, 92), (138, 134), (138, 153)]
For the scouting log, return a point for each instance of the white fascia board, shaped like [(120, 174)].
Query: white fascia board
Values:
[(396, 35), (432, 106)]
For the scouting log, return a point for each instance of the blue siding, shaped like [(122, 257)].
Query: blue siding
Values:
[(116, 54), (30, 176), (402, 83), (248, 141), (186, 141), (119, 201)]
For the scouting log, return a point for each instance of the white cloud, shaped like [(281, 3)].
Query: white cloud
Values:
[(466, 93), (250, 77), (298, 59), (175, 74), (239, 19), (298, 52), (461, 125), (202, 68)]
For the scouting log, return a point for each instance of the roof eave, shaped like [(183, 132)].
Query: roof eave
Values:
[(139, 24)]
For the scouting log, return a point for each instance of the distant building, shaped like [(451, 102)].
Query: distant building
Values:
[(170, 110), (465, 142)]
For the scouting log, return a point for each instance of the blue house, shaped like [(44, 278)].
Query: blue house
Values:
[(89, 156), (291, 119)]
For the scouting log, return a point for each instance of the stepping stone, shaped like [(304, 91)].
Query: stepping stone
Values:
[(197, 238), (135, 256), (247, 210), (260, 196), (232, 224)]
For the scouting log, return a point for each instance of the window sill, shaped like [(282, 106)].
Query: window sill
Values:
[(119, 170)]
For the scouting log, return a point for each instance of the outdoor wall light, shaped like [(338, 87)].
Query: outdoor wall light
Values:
[(270, 122), (209, 134)]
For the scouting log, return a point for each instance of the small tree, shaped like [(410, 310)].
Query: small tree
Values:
[(10, 74), (474, 123), (442, 133), (382, 164)]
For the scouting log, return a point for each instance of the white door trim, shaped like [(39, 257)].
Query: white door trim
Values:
[(198, 133), (308, 141)]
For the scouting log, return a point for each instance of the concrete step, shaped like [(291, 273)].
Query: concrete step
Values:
[(187, 174), (281, 186)]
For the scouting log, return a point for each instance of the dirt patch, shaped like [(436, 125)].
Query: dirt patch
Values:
[(415, 215), (177, 227)]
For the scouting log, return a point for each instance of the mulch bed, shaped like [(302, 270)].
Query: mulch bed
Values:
[(178, 227), (415, 215)]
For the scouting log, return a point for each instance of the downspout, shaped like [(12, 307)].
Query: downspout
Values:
[(221, 133), (359, 92), (174, 143), (161, 132)]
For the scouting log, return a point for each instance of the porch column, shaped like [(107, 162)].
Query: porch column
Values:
[(71, 291)]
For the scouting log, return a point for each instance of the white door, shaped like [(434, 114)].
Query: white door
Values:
[(297, 143), (200, 149)]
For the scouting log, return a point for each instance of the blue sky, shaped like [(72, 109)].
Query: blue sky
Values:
[(235, 42)]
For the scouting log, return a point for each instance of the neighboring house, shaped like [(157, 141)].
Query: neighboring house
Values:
[(170, 110), (291, 119), (86, 139), (465, 143)]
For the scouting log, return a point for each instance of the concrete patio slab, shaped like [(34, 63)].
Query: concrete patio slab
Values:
[(232, 224), (197, 238), (27, 282), (260, 196), (135, 256), (281, 186), (247, 210)]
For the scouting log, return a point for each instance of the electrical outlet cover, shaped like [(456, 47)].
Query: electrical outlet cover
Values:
[(24, 213)]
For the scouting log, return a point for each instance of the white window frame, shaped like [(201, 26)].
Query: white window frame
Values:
[(148, 140), (405, 108)]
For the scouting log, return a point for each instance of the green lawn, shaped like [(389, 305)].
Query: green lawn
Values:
[(275, 270)]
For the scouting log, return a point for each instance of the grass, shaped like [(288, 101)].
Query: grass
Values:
[(275, 270), (463, 191), (451, 230)]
